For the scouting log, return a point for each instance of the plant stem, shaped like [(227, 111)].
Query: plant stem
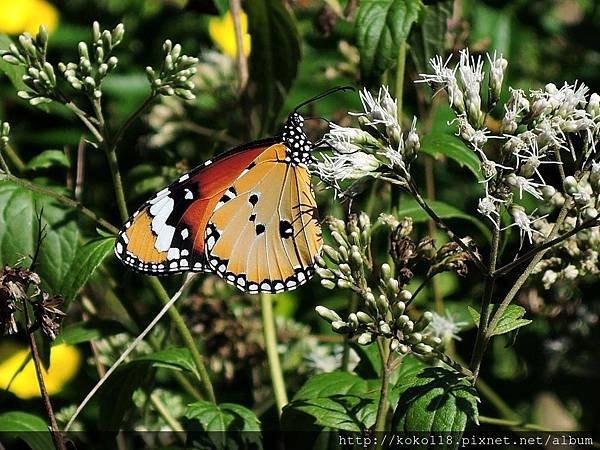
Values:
[(525, 275), (187, 338), (400, 66), (440, 223), (240, 58), (62, 199), (119, 134), (57, 437), (266, 306), (163, 411), (512, 424), (484, 316), (14, 158), (352, 305), (384, 404), (113, 164), (531, 253)]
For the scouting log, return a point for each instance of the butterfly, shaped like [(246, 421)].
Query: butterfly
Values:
[(249, 216)]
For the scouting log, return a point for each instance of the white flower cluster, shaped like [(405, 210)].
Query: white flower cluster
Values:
[(539, 128), (378, 148)]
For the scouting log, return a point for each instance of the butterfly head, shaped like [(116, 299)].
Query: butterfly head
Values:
[(295, 139)]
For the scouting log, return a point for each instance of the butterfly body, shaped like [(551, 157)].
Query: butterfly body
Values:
[(248, 216)]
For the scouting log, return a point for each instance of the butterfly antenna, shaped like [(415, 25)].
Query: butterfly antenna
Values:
[(129, 349), (324, 94)]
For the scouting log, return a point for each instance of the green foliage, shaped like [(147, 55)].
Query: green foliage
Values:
[(511, 319), (436, 400), (174, 359), (223, 426), (410, 208), (437, 144), (48, 159), (32, 429), (381, 26), (19, 233), (14, 73), (428, 38), (87, 331), (87, 259), (338, 400)]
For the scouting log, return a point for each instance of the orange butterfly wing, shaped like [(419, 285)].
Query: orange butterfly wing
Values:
[(266, 236), (166, 234)]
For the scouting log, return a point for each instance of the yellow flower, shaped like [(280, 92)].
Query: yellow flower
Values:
[(17, 16), (64, 364), (222, 32)]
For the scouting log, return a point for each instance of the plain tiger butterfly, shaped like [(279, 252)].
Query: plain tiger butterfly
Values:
[(249, 216)]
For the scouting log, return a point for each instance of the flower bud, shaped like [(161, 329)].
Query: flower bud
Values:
[(345, 269), (424, 321), (364, 317), (415, 338), (328, 314), (343, 284), (365, 338), (570, 185), (423, 349), (337, 237), (325, 273), (383, 305), (327, 284), (590, 213), (385, 329), (331, 254), (398, 308), (340, 326)]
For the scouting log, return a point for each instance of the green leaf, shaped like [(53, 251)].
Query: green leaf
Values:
[(14, 73), (222, 6), (87, 259), (47, 159), (224, 426), (410, 208), (32, 429), (339, 400), (436, 400), (511, 318), (381, 26), (273, 62), (19, 233), (115, 395), (173, 358), (89, 330), (429, 37), (438, 144)]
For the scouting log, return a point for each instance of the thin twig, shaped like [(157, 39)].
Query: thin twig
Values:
[(14, 158), (129, 349), (240, 57), (61, 198), (440, 223)]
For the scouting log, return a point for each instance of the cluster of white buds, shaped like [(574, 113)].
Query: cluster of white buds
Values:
[(377, 149), (39, 76), (536, 129), (95, 61), (349, 258), (383, 312), (578, 255), (175, 74)]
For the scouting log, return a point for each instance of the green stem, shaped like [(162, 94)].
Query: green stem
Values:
[(512, 424), (400, 68), (133, 118), (277, 380), (527, 272), (186, 337), (14, 158), (384, 404), (61, 198), (484, 316), (441, 224), (163, 411), (352, 305), (113, 164)]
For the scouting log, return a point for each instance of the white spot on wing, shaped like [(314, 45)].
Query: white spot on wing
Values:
[(173, 253)]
